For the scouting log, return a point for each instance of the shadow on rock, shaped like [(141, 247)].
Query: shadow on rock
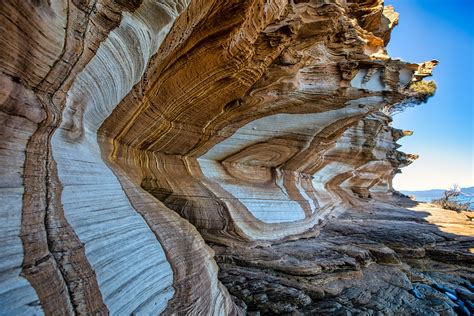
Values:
[(383, 260)]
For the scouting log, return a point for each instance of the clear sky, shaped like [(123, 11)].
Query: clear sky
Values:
[(443, 127)]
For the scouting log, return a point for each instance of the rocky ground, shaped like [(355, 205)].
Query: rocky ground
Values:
[(410, 258)]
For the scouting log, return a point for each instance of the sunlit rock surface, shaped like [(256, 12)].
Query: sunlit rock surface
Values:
[(133, 132)]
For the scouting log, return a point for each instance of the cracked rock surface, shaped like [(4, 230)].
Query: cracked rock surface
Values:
[(380, 260)]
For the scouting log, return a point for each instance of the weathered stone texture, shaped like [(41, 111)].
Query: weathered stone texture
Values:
[(133, 132)]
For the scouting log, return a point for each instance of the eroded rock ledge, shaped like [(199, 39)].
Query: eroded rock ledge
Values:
[(381, 259), (133, 132)]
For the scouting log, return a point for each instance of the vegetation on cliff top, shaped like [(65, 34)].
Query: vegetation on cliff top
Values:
[(423, 88)]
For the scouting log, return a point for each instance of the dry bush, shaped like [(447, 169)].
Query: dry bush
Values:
[(448, 202)]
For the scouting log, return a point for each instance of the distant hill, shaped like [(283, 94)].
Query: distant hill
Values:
[(467, 195), (468, 191), (434, 193)]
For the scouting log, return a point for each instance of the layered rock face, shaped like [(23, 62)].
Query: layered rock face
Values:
[(133, 132)]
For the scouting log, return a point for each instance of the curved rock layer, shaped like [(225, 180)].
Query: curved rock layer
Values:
[(132, 131), (248, 121)]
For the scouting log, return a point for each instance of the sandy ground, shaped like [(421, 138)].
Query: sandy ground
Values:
[(447, 221)]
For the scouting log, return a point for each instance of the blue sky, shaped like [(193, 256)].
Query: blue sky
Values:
[(443, 127)]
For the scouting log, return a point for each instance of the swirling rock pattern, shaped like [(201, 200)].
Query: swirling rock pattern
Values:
[(203, 133), (134, 131)]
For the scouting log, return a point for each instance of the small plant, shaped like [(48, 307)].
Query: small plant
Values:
[(423, 88), (448, 202)]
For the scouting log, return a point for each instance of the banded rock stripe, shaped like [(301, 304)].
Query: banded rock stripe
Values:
[(133, 131)]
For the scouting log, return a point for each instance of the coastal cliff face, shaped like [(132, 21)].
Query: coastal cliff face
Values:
[(137, 134)]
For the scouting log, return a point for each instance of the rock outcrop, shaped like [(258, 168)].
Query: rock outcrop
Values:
[(378, 259), (133, 132)]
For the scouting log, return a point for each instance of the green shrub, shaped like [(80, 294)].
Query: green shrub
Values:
[(423, 88)]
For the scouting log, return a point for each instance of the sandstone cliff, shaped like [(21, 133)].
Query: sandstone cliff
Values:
[(133, 132)]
